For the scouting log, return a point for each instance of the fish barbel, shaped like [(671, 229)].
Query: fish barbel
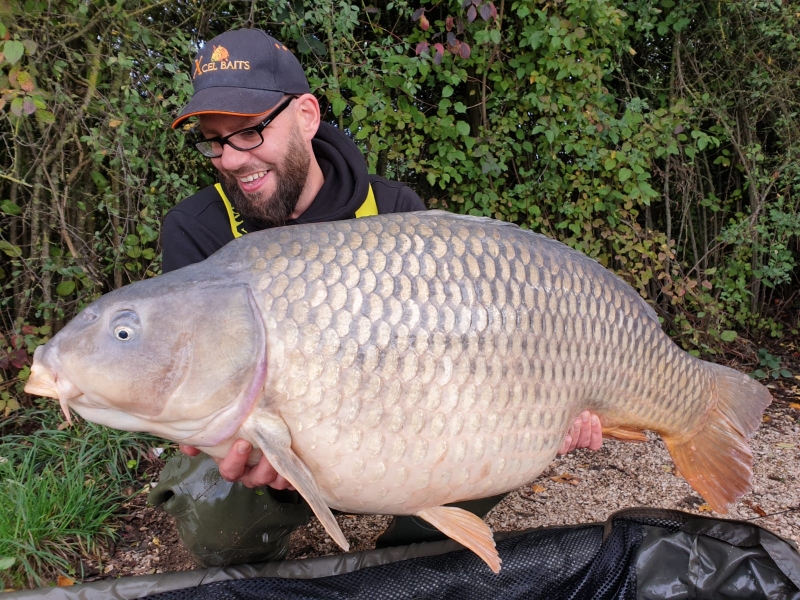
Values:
[(397, 363)]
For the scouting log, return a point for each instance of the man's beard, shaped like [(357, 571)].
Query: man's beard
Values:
[(291, 178)]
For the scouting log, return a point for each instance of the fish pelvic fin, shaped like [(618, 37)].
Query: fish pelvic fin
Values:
[(273, 437), (716, 459), (465, 528), (621, 433)]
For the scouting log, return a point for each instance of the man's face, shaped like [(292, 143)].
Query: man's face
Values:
[(264, 183)]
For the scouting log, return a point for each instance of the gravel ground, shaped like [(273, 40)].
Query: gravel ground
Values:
[(582, 487)]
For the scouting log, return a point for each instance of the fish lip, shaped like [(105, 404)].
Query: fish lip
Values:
[(44, 381)]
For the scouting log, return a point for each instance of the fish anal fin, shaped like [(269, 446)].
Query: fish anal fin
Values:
[(621, 433), (273, 437), (467, 529), (715, 458)]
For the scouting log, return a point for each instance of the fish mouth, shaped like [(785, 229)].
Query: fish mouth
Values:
[(46, 382)]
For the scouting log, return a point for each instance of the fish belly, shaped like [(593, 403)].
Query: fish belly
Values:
[(425, 359)]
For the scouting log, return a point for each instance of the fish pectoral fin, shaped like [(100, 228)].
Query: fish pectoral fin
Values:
[(621, 433), (465, 528), (273, 437)]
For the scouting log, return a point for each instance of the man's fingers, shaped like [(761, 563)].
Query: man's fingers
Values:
[(585, 432), (597, 434), (566, 446), (232, 467), (261, 474), (188, 450), (584, 436)]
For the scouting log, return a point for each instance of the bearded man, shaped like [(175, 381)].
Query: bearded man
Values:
[(278, 164)]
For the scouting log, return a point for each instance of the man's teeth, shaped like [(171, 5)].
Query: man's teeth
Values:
[(253, 177)]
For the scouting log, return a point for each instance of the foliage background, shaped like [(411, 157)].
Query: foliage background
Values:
[(661, 137)]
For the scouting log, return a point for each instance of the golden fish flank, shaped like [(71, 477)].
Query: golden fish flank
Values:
[(401, 362)]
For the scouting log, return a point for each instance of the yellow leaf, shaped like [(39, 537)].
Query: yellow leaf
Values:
[(114, 123), (65, 581), (538, 488), (794, 405), (786, 446), (156, 541), (704, 508), (632, 51)]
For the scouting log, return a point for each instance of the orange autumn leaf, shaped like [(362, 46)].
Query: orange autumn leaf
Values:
[(566, 478)]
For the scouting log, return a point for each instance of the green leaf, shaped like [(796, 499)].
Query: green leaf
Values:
[(6, 562), (624, 174), (10, 249), (786, 373), (462, 127), (359, 112), (727, 335), (338, 105), (17, 105), (13, 51), (8, 207), (459, 107), (45, 117), (447, 91), (65, 288), (99, 180)]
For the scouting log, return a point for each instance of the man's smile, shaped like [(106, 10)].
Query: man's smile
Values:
[(253, 177)]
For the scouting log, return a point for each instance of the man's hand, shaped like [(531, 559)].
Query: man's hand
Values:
[(234, 467), (586, 432)]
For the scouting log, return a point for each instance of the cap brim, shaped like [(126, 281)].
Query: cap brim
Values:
[(241, 102)]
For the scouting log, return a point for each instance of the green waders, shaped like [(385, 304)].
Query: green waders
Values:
[(223, 523)]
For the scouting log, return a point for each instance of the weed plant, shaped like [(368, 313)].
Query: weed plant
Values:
[(58, 490)]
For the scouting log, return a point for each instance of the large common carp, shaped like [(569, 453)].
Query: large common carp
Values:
[(397, 363)]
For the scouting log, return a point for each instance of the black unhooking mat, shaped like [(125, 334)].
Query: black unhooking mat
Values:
[(637, 554)]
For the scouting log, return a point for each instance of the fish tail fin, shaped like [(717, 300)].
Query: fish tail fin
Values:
[(465, 528), (716, 459)]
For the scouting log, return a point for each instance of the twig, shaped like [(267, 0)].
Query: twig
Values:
[(15, 180)]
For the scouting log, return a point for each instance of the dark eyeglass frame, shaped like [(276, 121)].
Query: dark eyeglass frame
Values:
[(203, 145)]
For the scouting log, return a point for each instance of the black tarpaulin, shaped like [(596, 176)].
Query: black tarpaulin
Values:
[(636, 554)]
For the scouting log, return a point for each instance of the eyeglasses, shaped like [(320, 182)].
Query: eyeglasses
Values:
[(242, 140)]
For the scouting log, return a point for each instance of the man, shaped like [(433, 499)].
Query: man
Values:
[(278, 164)]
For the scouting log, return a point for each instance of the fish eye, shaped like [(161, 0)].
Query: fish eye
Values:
[(125, 325), (123, 333)]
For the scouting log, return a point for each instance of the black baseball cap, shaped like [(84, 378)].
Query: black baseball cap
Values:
[(243, 72)]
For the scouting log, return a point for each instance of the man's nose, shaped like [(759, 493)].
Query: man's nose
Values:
[(232, 158)]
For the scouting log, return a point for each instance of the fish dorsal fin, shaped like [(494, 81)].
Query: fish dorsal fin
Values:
[(465, 528), (273, 437)]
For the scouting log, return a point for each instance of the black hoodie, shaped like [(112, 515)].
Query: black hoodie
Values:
[(199, 225)]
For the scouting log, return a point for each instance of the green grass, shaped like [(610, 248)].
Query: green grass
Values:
[(58, 490)]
